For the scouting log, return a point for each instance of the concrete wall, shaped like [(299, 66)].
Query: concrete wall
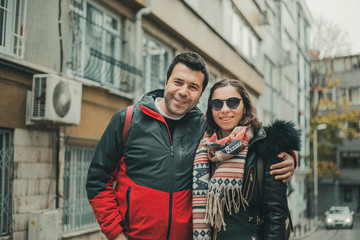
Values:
[(13, 87), (34, 180), (42, 34)]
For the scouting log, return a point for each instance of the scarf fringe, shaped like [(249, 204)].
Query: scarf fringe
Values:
[(215, 205)]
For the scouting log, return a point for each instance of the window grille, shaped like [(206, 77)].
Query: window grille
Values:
[(98, 52), (12, 26), (5, 170), (77, 212), (157, 57)]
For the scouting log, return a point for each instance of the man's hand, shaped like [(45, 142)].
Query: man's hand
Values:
[(283, 170), (121, 236)]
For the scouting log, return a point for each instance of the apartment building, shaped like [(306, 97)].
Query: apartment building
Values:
[(285, 66), (67, 66), (341, 97)]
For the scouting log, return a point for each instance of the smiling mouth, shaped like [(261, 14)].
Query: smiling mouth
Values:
[(181, 102), (225, 119)]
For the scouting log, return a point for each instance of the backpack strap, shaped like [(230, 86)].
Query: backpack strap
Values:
[(129, 113)]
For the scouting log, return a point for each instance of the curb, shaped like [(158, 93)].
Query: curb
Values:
[(314, 229)]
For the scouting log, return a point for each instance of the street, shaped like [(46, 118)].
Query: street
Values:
[(336, 234)]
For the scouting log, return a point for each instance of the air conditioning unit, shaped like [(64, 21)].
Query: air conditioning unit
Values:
[(55, 99), (44, 225)]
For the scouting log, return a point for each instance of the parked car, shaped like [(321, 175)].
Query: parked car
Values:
[(339, 217)]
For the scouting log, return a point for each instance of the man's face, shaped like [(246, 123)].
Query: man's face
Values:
[(182, 90)]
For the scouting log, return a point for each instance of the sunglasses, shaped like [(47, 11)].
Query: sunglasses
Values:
[(218, 104)]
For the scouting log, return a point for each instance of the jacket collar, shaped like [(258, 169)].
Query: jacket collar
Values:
[(260, 134)]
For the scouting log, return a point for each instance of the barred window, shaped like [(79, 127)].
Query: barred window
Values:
[(5, 169), (12, 26), (98, 52), (77, 212)]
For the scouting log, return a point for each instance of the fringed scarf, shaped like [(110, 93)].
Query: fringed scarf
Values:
[(224, 189)]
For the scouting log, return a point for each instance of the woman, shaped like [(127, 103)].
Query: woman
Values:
[(227, 202)]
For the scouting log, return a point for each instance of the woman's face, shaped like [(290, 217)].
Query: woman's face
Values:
[(226, 118)]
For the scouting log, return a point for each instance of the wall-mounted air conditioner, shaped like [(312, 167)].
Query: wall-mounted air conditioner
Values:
[(55, 99), (44, 225)]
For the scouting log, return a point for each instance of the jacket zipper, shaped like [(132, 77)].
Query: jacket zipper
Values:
[(251, 172), (171, 183), (127, 213), (171, 189)]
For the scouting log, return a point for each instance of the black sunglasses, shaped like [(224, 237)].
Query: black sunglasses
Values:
[(218, 104)]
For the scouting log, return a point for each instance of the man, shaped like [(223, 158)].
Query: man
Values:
[(153, 167)]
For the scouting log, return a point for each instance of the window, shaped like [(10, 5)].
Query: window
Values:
[(347, 194), (350, 95), (205, 96), (355, 61), (98, 52), (157, 57), (350, 159), (77, 212), (5, 169), (12, 27), (354, 95), (338, 65), (242, 36), (268, 99)]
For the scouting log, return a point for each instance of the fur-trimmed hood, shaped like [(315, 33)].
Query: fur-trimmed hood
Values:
[(280, 136)]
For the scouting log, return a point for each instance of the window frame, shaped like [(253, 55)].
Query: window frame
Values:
[(6, 182), (249, 42), (91, 58), (77, 212), (12, 41), (147, 64)]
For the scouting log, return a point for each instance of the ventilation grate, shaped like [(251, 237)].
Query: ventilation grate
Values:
[(39, 97)]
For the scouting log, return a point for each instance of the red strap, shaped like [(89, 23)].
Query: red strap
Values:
[(128, 117)]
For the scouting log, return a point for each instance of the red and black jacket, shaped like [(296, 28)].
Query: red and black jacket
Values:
[(153, 173)]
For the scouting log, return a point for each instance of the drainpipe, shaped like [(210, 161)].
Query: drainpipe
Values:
[(280, 57), (138, 48)]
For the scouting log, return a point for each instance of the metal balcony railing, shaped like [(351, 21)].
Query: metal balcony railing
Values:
[(98, 53)]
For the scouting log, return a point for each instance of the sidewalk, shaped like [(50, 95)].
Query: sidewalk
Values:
[(313, 228)]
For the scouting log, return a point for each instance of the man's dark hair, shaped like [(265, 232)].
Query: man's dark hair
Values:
[(193, 61)]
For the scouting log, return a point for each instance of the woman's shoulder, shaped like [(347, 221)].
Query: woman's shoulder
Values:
[(283, 134), (277, 137)]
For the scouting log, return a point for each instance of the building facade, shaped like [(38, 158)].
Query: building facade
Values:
[(285, 64), (67, 66), (341, 97)]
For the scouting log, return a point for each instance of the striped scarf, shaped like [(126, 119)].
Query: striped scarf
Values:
[(211, 196)]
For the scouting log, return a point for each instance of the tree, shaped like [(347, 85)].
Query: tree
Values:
[(329, 39), (328, 42)]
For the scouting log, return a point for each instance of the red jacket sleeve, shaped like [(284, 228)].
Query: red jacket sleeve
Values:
[(292, 153), (100, 179)]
